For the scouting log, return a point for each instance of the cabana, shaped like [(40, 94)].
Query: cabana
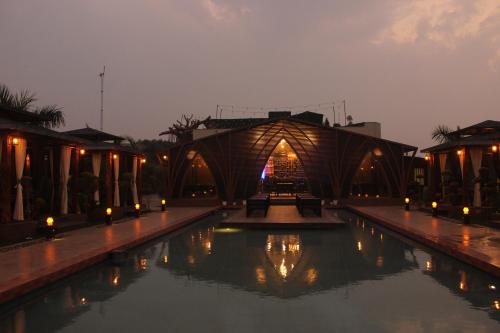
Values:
[(466, 169), (40, 169)]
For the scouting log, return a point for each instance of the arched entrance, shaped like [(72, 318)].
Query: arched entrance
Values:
[(284, 172), (198, 180)]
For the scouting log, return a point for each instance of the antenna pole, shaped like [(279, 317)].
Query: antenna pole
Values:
[(101, 75), (345, 114), (333, 109)]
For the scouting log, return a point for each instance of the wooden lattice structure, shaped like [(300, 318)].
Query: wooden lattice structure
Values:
[(330, 157)]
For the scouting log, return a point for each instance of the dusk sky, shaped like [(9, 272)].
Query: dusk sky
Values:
[(408, 64)]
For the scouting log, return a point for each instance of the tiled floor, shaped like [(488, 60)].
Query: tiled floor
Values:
[(26, 268), (477, 245)]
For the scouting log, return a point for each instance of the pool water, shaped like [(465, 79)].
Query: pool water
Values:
[(210, 279)]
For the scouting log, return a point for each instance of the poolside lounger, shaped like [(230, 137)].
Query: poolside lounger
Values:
[(308, 201), (258, 201)]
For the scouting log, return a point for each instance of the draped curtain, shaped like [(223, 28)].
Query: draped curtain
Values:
[(442, 166), (476, 156), (461, 159), (65, 164), (20, 159), (135, 198), (96, 168), (116, 165)]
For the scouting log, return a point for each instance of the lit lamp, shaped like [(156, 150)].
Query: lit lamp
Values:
[(50, 229), (434, 208), (109, 216), (82, 151), (163, 204), (143, 160), (115, 156), (165, 157), (427, 157), (15, 141), (137, 210), (466, 212), (407, 203), (494, 148)]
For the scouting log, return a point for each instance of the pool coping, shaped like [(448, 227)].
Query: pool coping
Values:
[(467, 255), (64, 268)]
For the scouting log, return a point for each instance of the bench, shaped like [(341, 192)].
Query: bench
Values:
[(258, 201), (308, 201)]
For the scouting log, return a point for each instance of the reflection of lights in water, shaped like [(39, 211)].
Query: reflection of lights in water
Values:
[(283, 247), (496, 305), (463, 281), (428, 265), (295, 247), (466, 240), (380, 261), (372, 231), (208, 245), (190, 260), (260, 275), (83, 301), (165, 259), (116, 281), (492, 287), (269, 246), (227, 230), (283, 269), (381, 237), (143, 263), (311, 276), (360, 246)]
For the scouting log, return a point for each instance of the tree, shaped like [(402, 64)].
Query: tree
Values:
[(51, 116), (441, 134), (349, 119), (183, 128)]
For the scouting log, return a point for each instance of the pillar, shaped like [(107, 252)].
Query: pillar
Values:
[(108, 182), (6, 180)]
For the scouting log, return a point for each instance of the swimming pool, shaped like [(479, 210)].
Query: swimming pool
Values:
[(209, 279)]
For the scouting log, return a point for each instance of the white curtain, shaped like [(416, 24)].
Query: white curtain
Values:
[(116, 166), (96, 168), (20, 159), (442, 166), (64, 170), (135, 198), (461, 159), (476, 156)]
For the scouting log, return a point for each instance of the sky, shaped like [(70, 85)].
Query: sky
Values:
[(409, 64)]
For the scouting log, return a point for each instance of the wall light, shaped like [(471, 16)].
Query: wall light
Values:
[(115, 156), (494, 148), (15, 141), (82, 151)]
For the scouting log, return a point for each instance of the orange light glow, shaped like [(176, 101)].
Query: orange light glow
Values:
[(459, 152), (15, 141), (494, 148), (434, 204), (109, 211), (143, 160), (407, 200), (82, 151), (115, 156), (466, 210), (165, 157), (137, 206), (50, 221), (427, 157)]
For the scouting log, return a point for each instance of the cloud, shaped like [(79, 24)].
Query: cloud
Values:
[(223, 12), (444, 22)]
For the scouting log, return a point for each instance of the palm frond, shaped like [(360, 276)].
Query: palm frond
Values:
[(53, 114), (441, 133)]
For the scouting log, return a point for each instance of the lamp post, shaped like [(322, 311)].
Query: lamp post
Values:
[(109, 216), (137, 210), (466, 213), (407, 203), (163, 204), (434, 209), (50, 229)]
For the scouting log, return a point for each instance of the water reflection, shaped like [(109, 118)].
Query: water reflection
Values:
[(282, 266)]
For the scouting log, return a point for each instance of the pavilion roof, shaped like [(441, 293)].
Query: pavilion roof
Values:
[(20, 115), (479, 140), (93, 134), (487, 126)]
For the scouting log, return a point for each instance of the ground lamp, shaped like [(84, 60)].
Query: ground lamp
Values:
[(137, 210), (434, 208), (50, 228), (109, 216), (407, 203), (163, 204), (466, 212)]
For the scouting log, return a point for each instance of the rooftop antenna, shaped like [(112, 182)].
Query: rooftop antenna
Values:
[(101, 75), (333, 109), (345, 114)]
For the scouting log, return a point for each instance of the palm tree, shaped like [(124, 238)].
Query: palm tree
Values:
[(441, 134), (51, 115)]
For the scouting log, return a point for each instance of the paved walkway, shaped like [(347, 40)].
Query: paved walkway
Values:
[(24, 269), (474, 244), (282, 216)]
